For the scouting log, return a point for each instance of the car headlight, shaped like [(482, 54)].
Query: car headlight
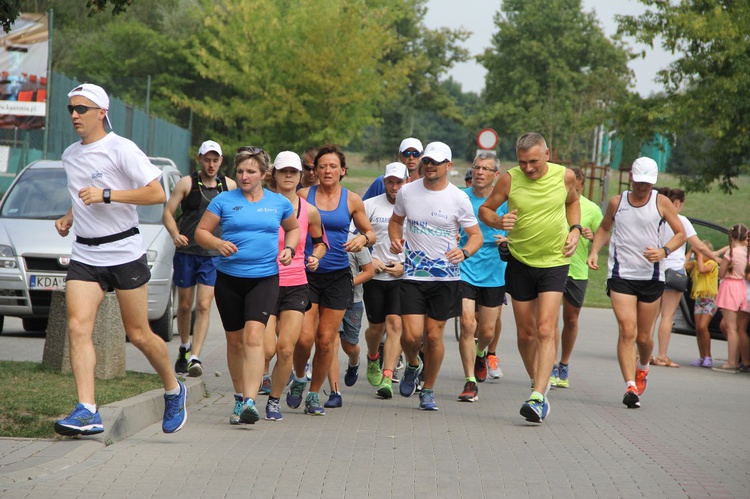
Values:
[(151, 256), (7, 257)]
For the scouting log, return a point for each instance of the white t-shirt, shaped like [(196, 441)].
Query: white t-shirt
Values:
[(379, 211), (676, 259), (115, 163), (430, 229)]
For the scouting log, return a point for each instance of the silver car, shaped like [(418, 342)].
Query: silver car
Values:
[(34, 258)]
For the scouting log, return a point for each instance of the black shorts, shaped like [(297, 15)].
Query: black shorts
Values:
[(486, 297), (243, 299), (382, 298), (334, 290), (436, 299), (129, 275), (292, 298), (645, 291), (524, 283), (575, 291)]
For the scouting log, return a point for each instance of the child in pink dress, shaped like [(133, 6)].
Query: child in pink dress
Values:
[(732, 297)]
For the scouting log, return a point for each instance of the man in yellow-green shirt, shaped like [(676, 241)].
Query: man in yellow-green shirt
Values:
[(543, 224)]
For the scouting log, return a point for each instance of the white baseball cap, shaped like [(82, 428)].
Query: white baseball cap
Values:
[(287, 159), (95, 94), (209, 146), (410, 143), (645, 170), (437, 151), (397, 170)]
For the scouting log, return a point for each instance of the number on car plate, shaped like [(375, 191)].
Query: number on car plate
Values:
[(47, 282)]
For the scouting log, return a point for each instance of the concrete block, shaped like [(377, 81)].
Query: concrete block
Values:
[(108, 337)]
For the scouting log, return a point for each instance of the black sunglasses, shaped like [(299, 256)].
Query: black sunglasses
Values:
[(251, 149), (427, 161), (411, 154), (308, 167), (80, 108)]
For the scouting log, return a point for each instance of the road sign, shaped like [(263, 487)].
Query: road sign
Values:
[(487, 139)]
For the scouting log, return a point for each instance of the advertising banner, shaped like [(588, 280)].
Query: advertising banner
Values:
[(23, 73)]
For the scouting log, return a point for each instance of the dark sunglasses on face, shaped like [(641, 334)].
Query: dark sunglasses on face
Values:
[(427, 161), (308, 167), (411, 154), (80, 108)]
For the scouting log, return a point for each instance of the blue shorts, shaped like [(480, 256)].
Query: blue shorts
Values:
[(190, 270), (352, 323)]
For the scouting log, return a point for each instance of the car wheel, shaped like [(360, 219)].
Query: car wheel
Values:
[(164, 325), (34, 324)]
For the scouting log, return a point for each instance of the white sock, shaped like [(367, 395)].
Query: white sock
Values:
[(628, 384), (193, 357), (187, 345), (89, 407), (176, 391), (642, 367)]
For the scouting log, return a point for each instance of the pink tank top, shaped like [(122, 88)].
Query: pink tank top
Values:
[(294, 273)]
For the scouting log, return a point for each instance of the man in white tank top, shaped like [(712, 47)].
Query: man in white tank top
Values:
[(635, 279)]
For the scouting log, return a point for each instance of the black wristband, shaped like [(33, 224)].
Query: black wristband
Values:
[(466, 254), (667, 251), (576, 226), (291, 249), (367, 239)]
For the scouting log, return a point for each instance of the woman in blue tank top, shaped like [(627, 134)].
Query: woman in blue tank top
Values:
[(330, 286)]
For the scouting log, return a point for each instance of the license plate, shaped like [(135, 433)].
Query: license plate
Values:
[(47, 282)]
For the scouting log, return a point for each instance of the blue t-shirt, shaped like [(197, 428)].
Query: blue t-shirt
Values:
[(376, 188), (484, 269), (253, 228)]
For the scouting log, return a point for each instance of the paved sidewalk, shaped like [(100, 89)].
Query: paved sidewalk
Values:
[(688, 439)]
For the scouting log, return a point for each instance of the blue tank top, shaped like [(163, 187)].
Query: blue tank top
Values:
[(336, 226)]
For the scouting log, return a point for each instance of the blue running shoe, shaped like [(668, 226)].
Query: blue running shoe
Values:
[(427, 400), (562, 377), (408, 384), (553, 377), (265, 385), (80, 422), (234, 418), (351, 376), (294, 395), (175, 410), (273, 411), (535, 410), (312, 405), (249, 414), (334, 400)]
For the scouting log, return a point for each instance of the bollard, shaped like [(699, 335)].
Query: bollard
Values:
[(108, 337)]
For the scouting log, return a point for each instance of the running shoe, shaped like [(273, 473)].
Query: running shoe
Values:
[(352, 374), (707, 362), (308, 371), (408, 384), (427, 400), (494, 370), (334, 400), (249, 414), (312, 405), (294, 395), (535, 410), (470, 393), (553, 377), (374, 372), (562, 378), (265, 385), (181, 365), (234, 418), (631, 398), (80, 422), (400, 363), (395, 377), (480, 368), (195, 368), (641, 381), (385, 390), (175, 410), (273, 411)]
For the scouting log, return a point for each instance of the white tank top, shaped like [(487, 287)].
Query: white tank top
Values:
[(635, 229)]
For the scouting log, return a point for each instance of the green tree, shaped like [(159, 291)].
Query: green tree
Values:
[(11, 9), (551, 69), (708, 85)]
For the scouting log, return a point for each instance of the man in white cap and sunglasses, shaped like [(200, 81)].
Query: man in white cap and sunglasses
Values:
[(409, 153), (425, 225), (107, 177), (194, 266)]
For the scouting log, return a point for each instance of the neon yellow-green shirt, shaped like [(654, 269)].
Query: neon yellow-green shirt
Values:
[(591, 217), (539, 235)]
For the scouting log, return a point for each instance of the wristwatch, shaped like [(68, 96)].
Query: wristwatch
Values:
[(291, 249), (667, 251), (466, 254), (576, 226), (107, 196)]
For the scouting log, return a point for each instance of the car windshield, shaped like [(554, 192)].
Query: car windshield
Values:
[(42, 194)]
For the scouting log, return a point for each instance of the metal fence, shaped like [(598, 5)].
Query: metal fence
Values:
[(155, 136)]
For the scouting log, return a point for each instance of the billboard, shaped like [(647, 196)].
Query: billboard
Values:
[(23, 72)]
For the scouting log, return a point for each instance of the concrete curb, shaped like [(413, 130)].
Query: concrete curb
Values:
[(121, 420)]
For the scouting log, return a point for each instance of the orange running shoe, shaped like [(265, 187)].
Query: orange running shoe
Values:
[(640, 380)]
